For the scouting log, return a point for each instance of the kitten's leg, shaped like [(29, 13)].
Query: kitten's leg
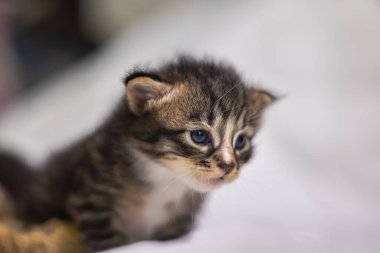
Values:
[(183, 223), (94, 216), (177, 228)]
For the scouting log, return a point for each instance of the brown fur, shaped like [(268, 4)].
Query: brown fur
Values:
[(51, 237)]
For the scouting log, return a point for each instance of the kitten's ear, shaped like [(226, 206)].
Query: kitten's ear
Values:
[(261, 98), (141, 91)]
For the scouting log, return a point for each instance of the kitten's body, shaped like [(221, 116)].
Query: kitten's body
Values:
[(143, 174), (118, 198)]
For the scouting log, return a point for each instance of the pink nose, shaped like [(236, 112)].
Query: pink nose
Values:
[(227, 167)]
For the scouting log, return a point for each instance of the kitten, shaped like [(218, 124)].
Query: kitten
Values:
[(179, 131)]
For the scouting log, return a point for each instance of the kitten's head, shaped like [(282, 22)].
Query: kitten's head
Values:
[(195, 117)]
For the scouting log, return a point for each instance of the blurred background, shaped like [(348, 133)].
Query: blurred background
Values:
[(314, 185)]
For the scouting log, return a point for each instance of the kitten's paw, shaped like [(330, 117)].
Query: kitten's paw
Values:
[(103, 240)]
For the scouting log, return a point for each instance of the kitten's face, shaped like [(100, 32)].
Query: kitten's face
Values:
[(214, 141), (199, 127)]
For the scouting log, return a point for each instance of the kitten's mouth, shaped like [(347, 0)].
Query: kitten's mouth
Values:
[(207, 184), (214, 181)]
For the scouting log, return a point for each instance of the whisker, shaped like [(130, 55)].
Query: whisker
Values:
[(192, 208), (216, 102), (226, 93)]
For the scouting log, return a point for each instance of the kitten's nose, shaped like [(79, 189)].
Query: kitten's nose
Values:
[(227, 167)]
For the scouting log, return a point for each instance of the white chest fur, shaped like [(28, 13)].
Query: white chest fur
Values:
[(160, 205)]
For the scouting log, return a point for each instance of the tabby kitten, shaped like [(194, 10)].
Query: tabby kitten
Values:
[(179, 131)]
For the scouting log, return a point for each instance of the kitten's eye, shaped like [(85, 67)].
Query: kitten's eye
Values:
[(240, 142), (199, 136)]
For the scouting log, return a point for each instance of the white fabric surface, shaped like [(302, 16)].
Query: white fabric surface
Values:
[(314, 184)]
